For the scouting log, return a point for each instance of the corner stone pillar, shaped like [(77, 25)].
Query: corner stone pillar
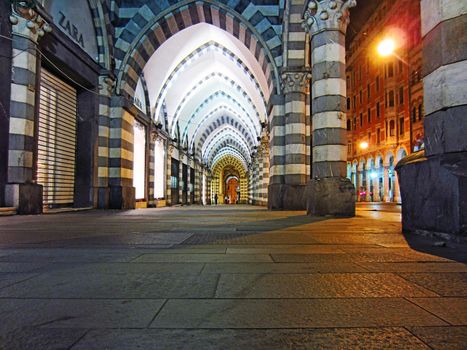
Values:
[(330, 192), (122, 192), (21, 191), (433, 183)]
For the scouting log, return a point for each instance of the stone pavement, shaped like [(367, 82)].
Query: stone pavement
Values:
[(227, 277)]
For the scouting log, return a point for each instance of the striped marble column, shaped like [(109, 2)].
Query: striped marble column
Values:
[(188, 180), (122, 192), (106, 84), (21, 192), (168, 175), (330, 191), (295, 86), (197, 181), (151, 168), (180, 177), (433, 183)]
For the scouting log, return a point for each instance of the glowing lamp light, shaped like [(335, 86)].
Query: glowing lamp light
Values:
[(386, 47), (373, 175), (364, 145)]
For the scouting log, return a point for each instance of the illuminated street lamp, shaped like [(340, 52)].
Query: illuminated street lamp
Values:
[(386, 47), (363, 145)]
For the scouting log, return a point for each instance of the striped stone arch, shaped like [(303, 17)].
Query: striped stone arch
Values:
[(217, 94), (228, 143), (100, 10), (230, 151), (197, 53), (154, 23), (226, 161), (221, 121), (201, 82), (227, 116)]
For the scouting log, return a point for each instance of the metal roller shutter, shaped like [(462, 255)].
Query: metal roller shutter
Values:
[(56, 140)]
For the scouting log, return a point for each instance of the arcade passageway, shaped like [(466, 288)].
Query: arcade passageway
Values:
[(198, 277)]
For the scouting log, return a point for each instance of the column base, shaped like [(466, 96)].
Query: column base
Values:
[(333, 196), (26, 198), (103, 197), (434, 194), (122, 197), (286, 197)]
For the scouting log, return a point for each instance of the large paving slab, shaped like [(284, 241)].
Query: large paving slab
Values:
[(452, 284), (77, 313), (442, 338), (452, 310), (233, 339), (98, 285), (331, 285), (292, 313)]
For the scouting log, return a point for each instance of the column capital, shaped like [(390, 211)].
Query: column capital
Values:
[(106, 84), (170, 149), (321, 15), (27, 22), (295, 81)]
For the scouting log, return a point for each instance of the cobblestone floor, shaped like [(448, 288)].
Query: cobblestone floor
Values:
[(227, 277)]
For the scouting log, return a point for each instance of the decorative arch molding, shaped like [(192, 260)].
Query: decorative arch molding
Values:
[(104, 31), (387, 157), (142, 37), (198, 53), (226, 161), (225, 137), (230, 151), (228, 116), (228, 80), (223, 121), (231, 100), (227, 144)]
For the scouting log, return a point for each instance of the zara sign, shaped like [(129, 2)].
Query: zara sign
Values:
[(76, 21)]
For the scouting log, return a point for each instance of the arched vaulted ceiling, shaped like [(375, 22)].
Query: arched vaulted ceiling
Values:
[(213, 91)]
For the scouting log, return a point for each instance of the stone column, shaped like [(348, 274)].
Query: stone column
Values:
[(434, 182), (368, 182), (265, 182), (106, 84), (376, 196), (21, 191), (359, 182), (295, 85), (180, 177), (330, 191), (386, 197), (151, 167), (209, 193), (168, 174), (122, 192), (197, 180)]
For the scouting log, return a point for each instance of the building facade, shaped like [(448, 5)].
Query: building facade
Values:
[(384, 99)]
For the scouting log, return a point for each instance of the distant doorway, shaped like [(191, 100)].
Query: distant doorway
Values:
[(231, 191)]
